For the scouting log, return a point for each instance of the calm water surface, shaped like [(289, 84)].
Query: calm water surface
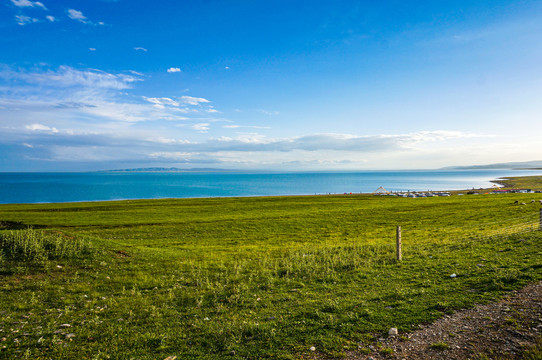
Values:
[(93, 186)]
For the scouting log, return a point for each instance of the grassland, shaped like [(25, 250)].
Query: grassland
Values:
[(521, 182), (249, 278)]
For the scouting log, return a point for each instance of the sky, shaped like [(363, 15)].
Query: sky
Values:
[(269, 85)]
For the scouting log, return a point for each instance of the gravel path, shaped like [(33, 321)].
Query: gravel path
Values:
[(500, 330)]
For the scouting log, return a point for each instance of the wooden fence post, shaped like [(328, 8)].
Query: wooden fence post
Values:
[(399, 250)]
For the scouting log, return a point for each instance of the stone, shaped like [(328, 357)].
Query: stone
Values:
[(393, 332), (313, 348), (69, 336)]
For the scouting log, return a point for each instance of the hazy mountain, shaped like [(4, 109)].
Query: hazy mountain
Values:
[(172, 169), (510, 165)]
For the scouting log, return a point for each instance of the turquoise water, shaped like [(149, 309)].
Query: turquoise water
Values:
[(93, 186)]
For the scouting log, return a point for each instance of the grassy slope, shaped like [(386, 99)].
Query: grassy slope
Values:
[(255, 277)]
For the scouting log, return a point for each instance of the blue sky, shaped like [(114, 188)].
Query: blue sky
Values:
[(280, 85)]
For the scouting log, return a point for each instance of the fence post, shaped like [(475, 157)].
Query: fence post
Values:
[(399, 250)]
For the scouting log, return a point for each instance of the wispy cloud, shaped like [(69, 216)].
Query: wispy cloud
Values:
[(268, 112), (68, 115), (66, 76), (140, 48), (161, 103), (24, 20), (69, 95), (28, 3), (203, 127), (193, 100), (173, 155), (245, 126), (173, 70), (40, 127), (50, 18), (78, 16)]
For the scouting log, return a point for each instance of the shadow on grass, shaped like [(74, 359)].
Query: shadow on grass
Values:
[(16, 225)]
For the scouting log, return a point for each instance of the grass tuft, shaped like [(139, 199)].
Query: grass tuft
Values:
[(39, 246), (440, 346)]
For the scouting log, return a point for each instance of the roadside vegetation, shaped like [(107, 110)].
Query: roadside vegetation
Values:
[(270, 277)]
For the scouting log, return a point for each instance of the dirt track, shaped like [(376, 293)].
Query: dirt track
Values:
[(501, 330)]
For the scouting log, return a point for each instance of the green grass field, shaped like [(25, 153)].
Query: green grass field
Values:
[(522, 182), (249, 278)]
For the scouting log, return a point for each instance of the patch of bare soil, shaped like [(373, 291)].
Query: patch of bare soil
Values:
[(500, 330)]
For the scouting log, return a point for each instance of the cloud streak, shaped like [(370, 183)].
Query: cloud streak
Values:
[(78, 16), (24, 20), (27, 3), (64, 115), (66, 76), (86, 96), (193, 100)]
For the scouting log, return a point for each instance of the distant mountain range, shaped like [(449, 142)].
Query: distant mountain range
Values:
[(172, 169), (526, 165)]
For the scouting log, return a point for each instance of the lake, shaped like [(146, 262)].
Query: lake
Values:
[(94, 186)]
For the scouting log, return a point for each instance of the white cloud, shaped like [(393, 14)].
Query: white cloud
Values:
[(203, 127), (245, 126), (193, 100), (66, 76), (27, 3), (163, 140), (40, 127), (173, 70), (140, 48), (267, 112), (50, 18), (92, 49), (175, 155), (162, 102), (83, 96), (77, 15), (24, 20)]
